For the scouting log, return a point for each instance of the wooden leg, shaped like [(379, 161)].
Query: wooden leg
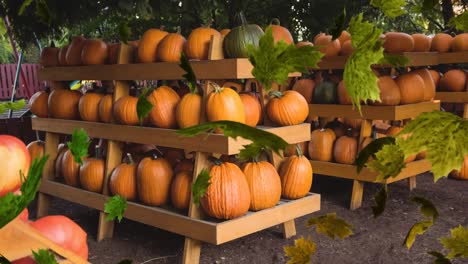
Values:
[(356, 196), (412, 183), (465, 111), (105, 228), (289, 229), (43, 204), (192, 249)]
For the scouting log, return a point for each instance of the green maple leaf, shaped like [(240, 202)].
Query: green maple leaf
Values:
[(301, 252), (200, 186), (440, 258), (331, 226), (143, 106), (417, 229), (380, 201), (274, 61), (12, 205), (391, 8), (388, 162), (427, 207), (189, 75), (115, 207), (338, 25), (370, 150), (15, 106), (43, 256), (79, 145), (457, 243)]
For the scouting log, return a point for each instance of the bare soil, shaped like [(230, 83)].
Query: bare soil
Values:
[(374, 240)]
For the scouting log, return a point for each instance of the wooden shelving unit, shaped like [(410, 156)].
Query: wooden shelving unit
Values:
[(196, 227)]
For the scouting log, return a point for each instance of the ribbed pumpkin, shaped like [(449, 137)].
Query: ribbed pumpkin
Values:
[(461, 174), (321, 144), (441, 42), (148, 45), (345, 149), (393, 131), (305, 87), (280, 33), (264, 184), (429, 85), (164, 100), (105, 109), (453, 81), (228, 195), (422, 43), (70, 169), (188, 110), (124, 110), (154, 176), (287, 108), (328, 46), (435, 77), (460, 43), (389, 91), (73, 56), (62, 55), (171, 47), (291, 149), (198, 43), (398, 42), (123, 180), (239, 38), (343, 96), (252, 108), (347, 48), (411, 88), (92, 173), (62, 148), (88, 106), (36, 149), (296, 176), (181, 190), (225, 104), (95, 52), (344, 36), (49, 56), (38, 104), (63, 104)]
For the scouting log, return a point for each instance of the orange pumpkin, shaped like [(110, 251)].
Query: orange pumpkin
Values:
[(461, 174), (304, 43), (253, 109), (154, 176), (105, 109), (422, 43), (398, 42), (305, 87), (460, 43), (225, 104), (70, 169), (411, 88), (441, 42), (63, 104), (453, 81), (124, 110), (321, 144), (123, 180), (36, 149), (73, 56), (171, 47), (164, 100), (198, 43), (188, 110), (280, 33), (95, 52), (224, 31), (264, 184), (287, 108), (88, 106), (181, 190), (344, 36), (389, 91), (435, 77), (148, 45), (62, 148), (345, 149), (92, 174), (343, 96), (38, 104), (429, 85), (354, 123), (328, 46), (296, 176), (49, 56), (347, 48), (228, 195), (62, 55)]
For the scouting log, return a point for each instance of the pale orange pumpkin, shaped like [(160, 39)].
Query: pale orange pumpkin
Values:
[(73, 56), (148, 45), (411, 88), (198, 43), (188, 110), (171, 47), (305, 87), (328, 46), (36, 149), (453, 81), (398, 42), (70, 169), (252, 108), (154, 176), (123, 180), (321, 144), (264, 184), (441, 42), (38, 104), (225, 104), (422, 43), (164, 100), (347, 48), (88, 106), (63, 104), (429, 85), (62, 55), (105, 109), (61, 149), (92, 173), (343, 96), (389, 91), (287, 108), (344, 36), (124, 110), (280, 33), (296, 176), (345, 149), (460, 43), (49, 56), (181, 190)]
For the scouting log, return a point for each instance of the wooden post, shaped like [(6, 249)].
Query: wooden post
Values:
[(358, 186), (216, 48), (465, 111)]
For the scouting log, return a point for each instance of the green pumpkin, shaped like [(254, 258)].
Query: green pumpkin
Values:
[(325, 92), (236, 41)]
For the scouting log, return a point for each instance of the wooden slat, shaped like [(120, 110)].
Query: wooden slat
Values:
[(212, 143), (452, 97), (349, 171), (453, 57), (398, 112)]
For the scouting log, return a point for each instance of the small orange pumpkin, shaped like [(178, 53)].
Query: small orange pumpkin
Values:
[(95, 52), (422, 43), (61, 149), (296, 176), (328, 46), (343, 96), (429, 85), (460, 43), (70, 169), (124, 110), (36, 149), (49, 56), (441, 42), (389, 91), (280, 33), (62, 55), (148, 45), (411, 88), (73, 56), (344, 36), (347, 48), (184, 165), (435, 77), (105, 109), (264, 185), (398, 42), (453, 81), (154, 176), (88, 106), (291, 149), (321, 144), (171, 47), (305, 87), (164, 100), (198, 43), (253, 109), (38, 104), (188, 110), (225, 104), (63, 104), (123, 180), (345, 149), (181, 190), (287, 108), (92, 173)]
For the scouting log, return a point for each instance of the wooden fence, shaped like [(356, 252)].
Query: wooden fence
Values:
[(25, 88)]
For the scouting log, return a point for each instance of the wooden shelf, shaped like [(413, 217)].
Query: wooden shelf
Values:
[(211, 231), (453, 57), (452, 97), (349, 171), (209, 69), (398, 112), (207, 142)]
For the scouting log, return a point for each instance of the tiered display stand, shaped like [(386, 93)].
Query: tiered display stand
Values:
[(195, 226)]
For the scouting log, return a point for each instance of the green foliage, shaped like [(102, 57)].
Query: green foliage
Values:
[(124, 31), (417, 229), (370, 150), (144, 106), (339, 25), (3, 260), (115, 207), (380, 201), (273, 62), (457, 244), (44, 256), (427, 207), (261, 140), (460, 22), (24, 5), (391, 8), (331, 226), (394, 60), (189, 75), (200, 186), (388, 162), (440, 258), (360, 81), (79, 145), (18, 105), (12, 205), (301, 252)]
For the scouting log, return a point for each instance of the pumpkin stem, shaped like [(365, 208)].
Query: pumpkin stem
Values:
[(217, 88), (154, 156), (299, 150), (275, 21), (240, 19), (215, 161), (276, 94), (159, 151), (130, 159)]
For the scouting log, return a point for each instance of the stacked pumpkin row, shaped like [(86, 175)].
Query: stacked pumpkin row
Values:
[(454, 80)]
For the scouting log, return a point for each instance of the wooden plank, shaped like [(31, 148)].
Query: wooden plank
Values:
[(349, 171), (453, 57), (465, 111), (452, 97), (412, 183), (212, 143), (398, 112), (208, 70), (356, 195)]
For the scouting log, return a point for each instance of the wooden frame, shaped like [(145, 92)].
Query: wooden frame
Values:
[(455, 97)]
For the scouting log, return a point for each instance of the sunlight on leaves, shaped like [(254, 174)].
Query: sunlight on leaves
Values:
[(301, 252), (200, 186), (115, 207), (391, 8), (380, 201), (331, 226), (417, 229), (79, 145), (457, 244)]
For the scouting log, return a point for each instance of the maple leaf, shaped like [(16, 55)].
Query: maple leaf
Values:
[(331, 226), (301, 252), (457, 243), (43, 256), (200, 186), (417, 229), (115, 207), (79, 145)]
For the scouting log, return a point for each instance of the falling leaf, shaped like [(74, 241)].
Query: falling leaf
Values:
[(417, 229), (380, 201), (144, 106), (388, 162), (301, 252), (370, 150), (440, 258), (200, 186), (115, 207), (427, 207), (391, 8), (15, 106), (331, 226), (189, 75), (339, 25), (457, 243), (79, 145)]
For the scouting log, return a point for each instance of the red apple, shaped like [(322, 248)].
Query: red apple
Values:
[(14, 157)]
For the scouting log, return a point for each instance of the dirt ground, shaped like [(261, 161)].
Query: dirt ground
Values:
[(374, 240)]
